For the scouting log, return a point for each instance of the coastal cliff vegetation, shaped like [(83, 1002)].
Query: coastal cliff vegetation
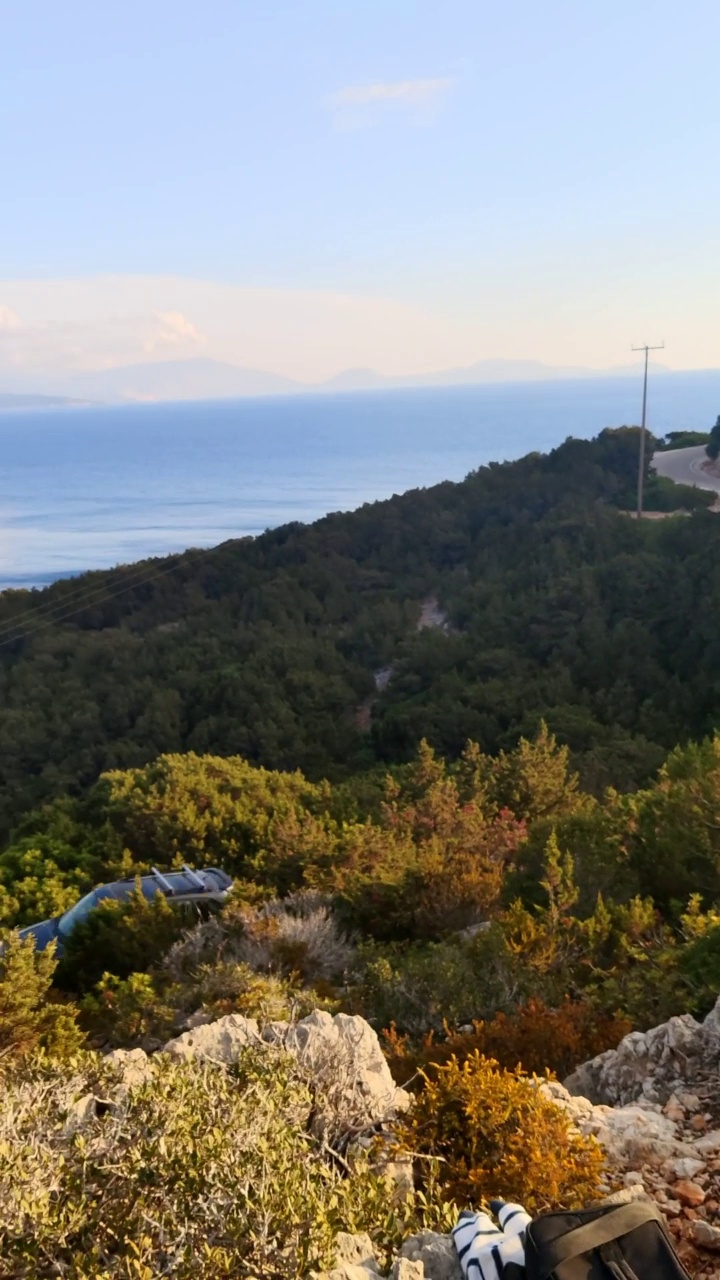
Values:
[(302, 649), (457, 751)]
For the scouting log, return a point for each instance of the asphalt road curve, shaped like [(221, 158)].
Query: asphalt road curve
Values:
[(684, 466)]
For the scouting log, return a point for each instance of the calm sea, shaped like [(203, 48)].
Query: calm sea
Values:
[(94, 487)]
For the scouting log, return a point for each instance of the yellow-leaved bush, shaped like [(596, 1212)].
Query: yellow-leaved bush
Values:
[(498, 1135)]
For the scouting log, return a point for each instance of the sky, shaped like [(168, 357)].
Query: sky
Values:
[(310, 186)]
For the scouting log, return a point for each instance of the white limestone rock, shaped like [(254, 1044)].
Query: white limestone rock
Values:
[(654, 1064), (437, 1253), (222, 1041), (340, 1057), (632, 1135), (404, 1269)]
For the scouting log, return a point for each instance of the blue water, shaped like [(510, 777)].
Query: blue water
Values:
[(94, 487)]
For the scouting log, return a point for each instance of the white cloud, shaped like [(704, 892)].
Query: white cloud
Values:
[(100, 322), (404, 92), (97, 336), (8, 319), (363, 105), (173, 330)]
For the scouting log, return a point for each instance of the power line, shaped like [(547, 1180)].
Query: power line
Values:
[(83, 595), (64, 614), (641, 461)]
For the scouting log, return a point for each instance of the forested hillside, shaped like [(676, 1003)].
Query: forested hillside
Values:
[(558, 605)]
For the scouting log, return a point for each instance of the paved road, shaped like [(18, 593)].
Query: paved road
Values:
[(685, 467)]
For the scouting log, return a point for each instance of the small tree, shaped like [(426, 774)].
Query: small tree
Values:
[(28, 1017), (535, 779)]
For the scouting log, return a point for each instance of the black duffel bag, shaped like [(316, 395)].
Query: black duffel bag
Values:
[(622, 1242)]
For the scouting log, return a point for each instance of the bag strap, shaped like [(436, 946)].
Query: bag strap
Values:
[(591, 1235)]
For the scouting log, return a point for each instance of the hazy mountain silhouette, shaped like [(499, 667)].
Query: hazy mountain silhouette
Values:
[(29, 400), (200, 379), (206, 379)]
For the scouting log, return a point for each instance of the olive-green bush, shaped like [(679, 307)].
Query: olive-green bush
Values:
[(197, 1172)]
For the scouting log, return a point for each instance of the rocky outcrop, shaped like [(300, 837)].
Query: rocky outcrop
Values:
[(650, 1103), (669, 1152), (125, 1069), (427, 1256), (340, 1057), (436, 1254), (653, 1064), (221, 1041), (631, 1136), (355, 1258)]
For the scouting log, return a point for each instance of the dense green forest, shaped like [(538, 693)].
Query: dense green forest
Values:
[(558, 606)]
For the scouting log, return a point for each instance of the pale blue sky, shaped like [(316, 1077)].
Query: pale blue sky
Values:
[(527, 180)]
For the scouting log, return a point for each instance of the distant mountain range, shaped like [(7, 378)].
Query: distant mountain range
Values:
[(483, 371), (10, 400), (205, 379)]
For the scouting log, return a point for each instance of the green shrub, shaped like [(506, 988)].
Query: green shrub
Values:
[(260, 825), (229, 987), (29, 1017), (682, 440), (421, 987), (699, 964), (39, 880), (663, 494), (128, 1012), (699, 956), (498, 1135), (432, 861), (146, 1009)]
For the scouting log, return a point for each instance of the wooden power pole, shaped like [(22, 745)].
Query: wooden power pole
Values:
[(641, 462)]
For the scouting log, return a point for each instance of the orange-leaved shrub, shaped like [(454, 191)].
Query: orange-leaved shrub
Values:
[(534, 1037), (497, 1134), (431, 863)]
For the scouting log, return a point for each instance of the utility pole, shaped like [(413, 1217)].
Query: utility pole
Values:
[(641, 463)]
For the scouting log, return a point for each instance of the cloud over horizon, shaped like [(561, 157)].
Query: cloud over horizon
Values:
[(174, 331), (49, 328), (46, 344), (57, 327), (8, 319)]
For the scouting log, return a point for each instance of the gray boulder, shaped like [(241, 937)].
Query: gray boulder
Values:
[(404, 1269), (651, 1064), (437, 1254), (354, 1259), (221, 1042), (339, 1057), (131, 1066), (632, 1135), (342, 1060), (357, 1250)]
